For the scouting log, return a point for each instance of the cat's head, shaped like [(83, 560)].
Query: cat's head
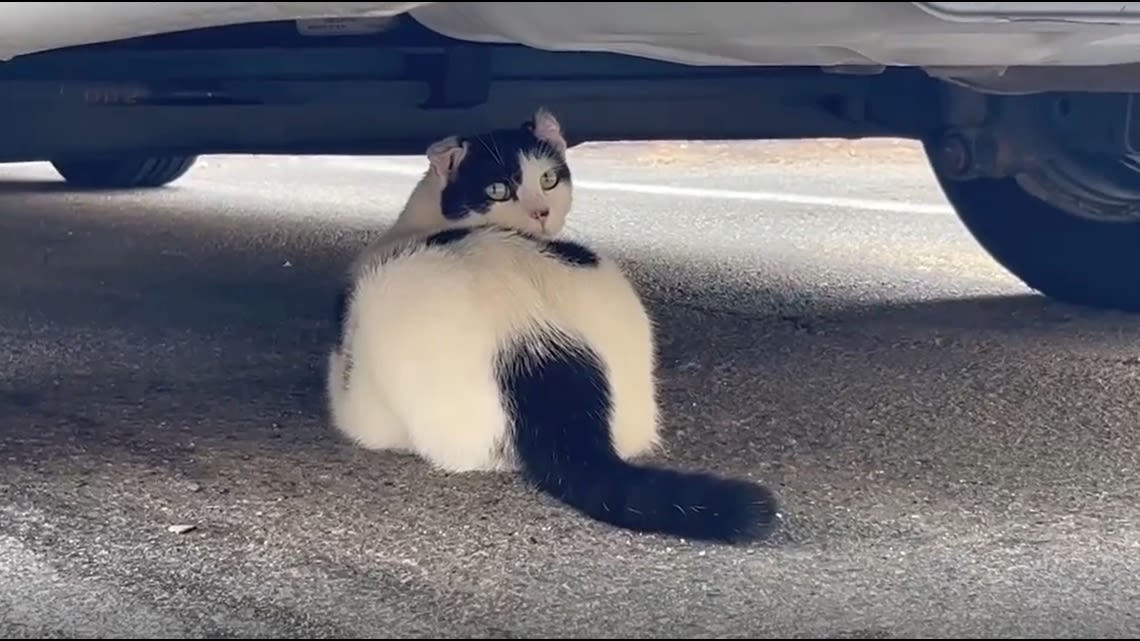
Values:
[(512, 177)]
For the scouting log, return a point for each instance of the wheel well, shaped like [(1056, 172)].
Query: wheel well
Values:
[(1079, 152)]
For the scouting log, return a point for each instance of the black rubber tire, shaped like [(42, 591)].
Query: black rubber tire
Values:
[(123, 172), (1064, 257)]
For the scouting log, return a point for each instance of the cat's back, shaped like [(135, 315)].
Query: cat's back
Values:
[(496, 274), (437, 312)]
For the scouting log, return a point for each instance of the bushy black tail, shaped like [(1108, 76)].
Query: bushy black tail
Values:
[(560, 406)]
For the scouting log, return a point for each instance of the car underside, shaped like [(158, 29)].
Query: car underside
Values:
[(1039, 158)]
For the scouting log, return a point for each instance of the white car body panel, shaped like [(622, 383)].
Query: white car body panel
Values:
[(926, 34), (31, 27)]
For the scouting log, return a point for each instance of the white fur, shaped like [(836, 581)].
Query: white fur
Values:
[(424, 326)]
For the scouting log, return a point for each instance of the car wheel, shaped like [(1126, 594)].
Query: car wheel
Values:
[(1071, 257), (124, 172)]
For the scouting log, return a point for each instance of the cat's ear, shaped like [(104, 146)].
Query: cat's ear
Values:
[(445, 155), (548, 129)]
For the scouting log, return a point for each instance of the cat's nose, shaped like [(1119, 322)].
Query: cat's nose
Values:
[(540, 214)]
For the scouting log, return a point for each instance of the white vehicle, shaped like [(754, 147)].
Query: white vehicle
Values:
[(1026, 109)]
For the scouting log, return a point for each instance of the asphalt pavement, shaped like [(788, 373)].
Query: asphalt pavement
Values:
[(955, 456)]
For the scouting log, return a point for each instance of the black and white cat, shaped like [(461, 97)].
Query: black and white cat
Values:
[(475, 339)]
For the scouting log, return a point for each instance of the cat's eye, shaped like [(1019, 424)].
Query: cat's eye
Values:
[(548, 180), (498, 191)]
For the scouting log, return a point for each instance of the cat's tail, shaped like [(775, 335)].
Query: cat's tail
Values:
[(559, 400)]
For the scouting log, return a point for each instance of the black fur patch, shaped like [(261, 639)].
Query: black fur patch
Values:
[(560, 411), (493, 157), (566, 252), (570, 253), (447, 237)]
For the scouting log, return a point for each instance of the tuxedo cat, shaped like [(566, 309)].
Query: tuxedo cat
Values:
[(477, 340)]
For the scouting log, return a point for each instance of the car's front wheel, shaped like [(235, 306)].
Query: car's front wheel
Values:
[(1087, 253), (123, 172)]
